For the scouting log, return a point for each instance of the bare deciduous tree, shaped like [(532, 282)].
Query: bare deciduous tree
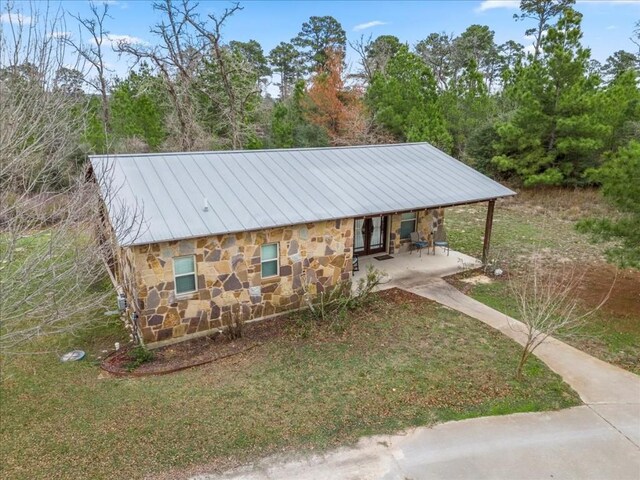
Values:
[(362, 46), (233, 73), (93, 53), (51, 262), (635, 38), (547, 303), (176, 59)]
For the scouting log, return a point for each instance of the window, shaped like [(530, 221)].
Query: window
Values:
[(184, 273), (407, 224), (269, 259)]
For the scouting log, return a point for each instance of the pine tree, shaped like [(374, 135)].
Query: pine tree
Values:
[(405, 101), (554, 134)]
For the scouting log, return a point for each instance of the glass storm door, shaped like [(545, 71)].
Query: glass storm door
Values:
[(370, 235)]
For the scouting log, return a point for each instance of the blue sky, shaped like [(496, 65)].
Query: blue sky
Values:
[(607, 24)]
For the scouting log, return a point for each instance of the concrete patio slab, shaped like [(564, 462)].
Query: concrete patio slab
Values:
[(411, 265)]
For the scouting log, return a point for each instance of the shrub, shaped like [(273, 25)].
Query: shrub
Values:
[(137, 356), (332, 305)]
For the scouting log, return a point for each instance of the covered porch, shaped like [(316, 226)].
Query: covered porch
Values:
[(411, 268)]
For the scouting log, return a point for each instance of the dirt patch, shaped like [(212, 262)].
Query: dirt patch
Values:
[(477, 280), (401, 297), (624, 300), (196, 352)]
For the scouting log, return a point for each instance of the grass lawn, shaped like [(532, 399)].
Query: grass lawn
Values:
[(543, 222), (534, 221), (615, 339), (403, 362)]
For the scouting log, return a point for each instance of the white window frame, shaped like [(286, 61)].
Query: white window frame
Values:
[(414, 220), (194, 273), (277, 260)]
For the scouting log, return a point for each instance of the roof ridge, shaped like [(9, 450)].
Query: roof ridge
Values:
[(293, 149)]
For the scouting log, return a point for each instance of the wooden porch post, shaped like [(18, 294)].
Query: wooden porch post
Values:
[(487, 231)]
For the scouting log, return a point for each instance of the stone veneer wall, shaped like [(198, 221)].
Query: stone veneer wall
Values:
[(427, 220), (229, 280)]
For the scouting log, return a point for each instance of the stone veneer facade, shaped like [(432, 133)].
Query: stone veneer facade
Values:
[(228, 273), (229, 280), (427, 221)]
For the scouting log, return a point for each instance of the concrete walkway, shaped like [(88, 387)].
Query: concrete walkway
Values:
[(595, 381), (610, 391), (600, 440)]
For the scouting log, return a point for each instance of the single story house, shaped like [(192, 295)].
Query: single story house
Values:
[(229, 234)]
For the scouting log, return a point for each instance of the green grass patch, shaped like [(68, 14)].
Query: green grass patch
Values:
[(519, 230), (396, 365), (612, 338)]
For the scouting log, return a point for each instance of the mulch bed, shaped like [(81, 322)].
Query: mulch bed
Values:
[(196, 352), (595, 282), (402, 297), (624, 300)]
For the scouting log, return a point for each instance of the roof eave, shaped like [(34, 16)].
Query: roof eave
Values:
[(388, 212)]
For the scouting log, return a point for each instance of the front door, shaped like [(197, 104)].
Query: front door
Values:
[(370, 235)]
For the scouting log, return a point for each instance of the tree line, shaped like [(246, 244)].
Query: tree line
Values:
[(548, 114), (538, 116)]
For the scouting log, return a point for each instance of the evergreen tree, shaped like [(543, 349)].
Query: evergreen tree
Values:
[(466, 106), (618, 106), (289, 127), (136, 109), (554, 134), (405, 101), (286, 61), (620, 62), (317, 37)]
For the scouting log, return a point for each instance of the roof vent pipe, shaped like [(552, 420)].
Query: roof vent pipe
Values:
[(205, 208)]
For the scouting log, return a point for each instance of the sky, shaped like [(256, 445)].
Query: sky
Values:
[(607, 24)]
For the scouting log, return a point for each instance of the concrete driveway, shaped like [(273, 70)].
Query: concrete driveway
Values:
[(600, 440), (571, 444)]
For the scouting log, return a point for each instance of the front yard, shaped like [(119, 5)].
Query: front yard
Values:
[(403, 362)]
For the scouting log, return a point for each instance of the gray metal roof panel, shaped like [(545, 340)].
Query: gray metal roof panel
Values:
[(256, 189)]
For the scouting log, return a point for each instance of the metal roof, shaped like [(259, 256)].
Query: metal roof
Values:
[(256, 189)]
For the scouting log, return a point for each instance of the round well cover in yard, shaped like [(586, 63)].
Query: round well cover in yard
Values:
[(72, 356)]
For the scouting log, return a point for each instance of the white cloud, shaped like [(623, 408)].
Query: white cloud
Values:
[(493, 4), (515, 4), (126, 38), (15, 18), (364, 26), (611, 27)]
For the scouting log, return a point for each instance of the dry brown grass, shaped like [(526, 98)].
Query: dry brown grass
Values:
[(566, 203)]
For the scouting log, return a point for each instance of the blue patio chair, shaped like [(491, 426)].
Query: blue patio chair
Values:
[(417, 243), (440, 238)]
